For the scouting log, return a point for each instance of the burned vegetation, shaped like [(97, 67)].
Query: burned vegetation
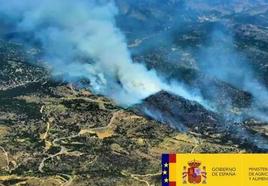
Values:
[(53, 133)]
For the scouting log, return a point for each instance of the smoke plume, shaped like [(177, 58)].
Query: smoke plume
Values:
[(71, 31)]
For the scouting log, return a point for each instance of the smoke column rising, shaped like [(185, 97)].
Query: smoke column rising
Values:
[(70, 29)]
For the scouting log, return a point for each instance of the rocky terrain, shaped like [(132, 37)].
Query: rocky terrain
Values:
[(52, 133)]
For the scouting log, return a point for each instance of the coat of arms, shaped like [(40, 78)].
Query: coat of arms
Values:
[(194, 173)]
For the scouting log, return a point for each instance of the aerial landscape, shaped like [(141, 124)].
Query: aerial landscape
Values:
[(93, 92)]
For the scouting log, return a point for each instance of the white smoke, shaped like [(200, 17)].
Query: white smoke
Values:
[(71, 29)]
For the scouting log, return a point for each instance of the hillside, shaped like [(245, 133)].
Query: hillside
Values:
[(54, 133)]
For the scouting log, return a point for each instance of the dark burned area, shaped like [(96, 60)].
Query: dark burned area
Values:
[(54, 132)]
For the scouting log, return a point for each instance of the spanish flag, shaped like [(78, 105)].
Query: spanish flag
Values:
[(167, 161)]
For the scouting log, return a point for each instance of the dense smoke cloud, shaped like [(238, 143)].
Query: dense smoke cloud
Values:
[(72, 30), (80, 40)]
